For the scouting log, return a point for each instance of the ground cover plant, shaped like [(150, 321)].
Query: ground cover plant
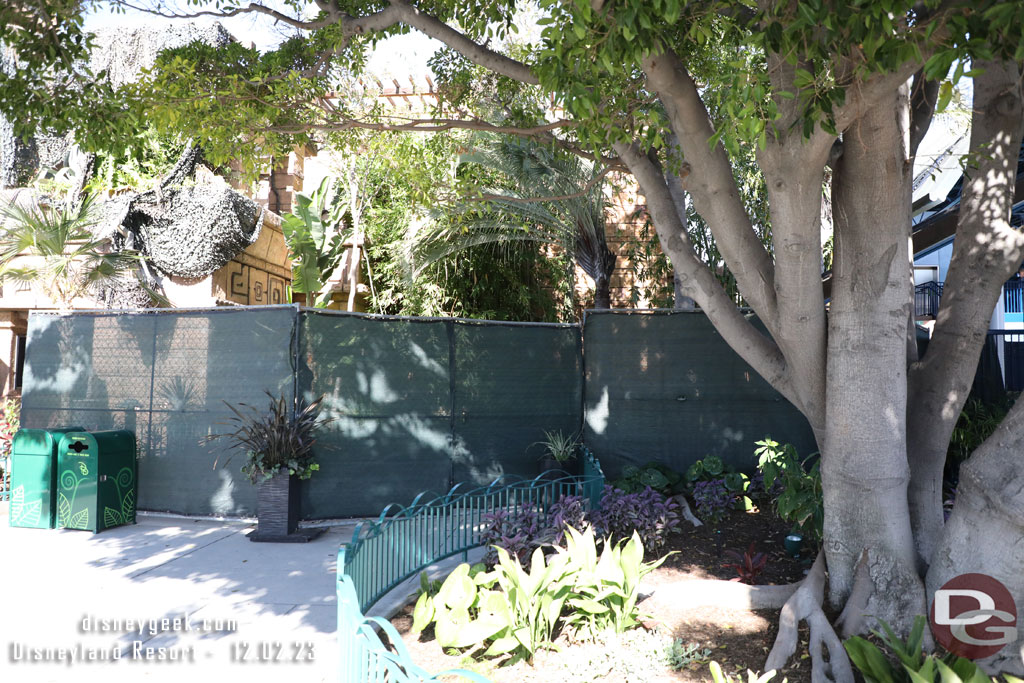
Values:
[(671, 642), (514, 611)]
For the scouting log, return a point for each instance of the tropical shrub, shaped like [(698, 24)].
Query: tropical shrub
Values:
[(10, 420), (679, 656), (517, 530), (521, 529), (399, 179), (68, 260), (708, 468), (515, 611), (567, 511), (558, 446), (800, 501), (906, 662), (507, 611), (748, 565), (648, 513), (316, 239), (275, 439), (655, 475)]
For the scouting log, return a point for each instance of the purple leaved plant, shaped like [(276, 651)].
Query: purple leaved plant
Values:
[(713, 500), (649, 513), (517, 530)]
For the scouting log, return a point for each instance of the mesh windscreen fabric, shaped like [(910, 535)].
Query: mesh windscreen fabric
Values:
[(386, 386), (98, 371), (665, 386), (419, 405), (512, 383)]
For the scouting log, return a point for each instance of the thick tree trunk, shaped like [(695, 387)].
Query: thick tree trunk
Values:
[(985, 533), (864, 464), (940, 384), (794, 175)]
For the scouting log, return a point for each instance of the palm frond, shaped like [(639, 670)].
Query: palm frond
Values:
[(69, 259), (521, 208)]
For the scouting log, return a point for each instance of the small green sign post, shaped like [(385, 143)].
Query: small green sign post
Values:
[(34, 477), (96, 480)]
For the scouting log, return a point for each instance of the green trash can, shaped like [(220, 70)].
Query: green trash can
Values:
[(96, 480), (34, 477)]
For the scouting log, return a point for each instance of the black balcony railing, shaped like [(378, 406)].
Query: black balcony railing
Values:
[(926, 299), (1013, 295)]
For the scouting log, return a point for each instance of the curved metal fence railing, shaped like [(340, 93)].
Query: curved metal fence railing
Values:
[(403, 541)]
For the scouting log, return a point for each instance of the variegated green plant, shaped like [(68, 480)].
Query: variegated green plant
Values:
[(509, 610), (605, 588)]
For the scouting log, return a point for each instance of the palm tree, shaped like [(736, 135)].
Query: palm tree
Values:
[(60, 252), (539, 196)]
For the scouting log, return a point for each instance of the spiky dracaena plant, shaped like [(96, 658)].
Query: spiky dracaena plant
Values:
[(274, 439), (538, 195), (55, 247)]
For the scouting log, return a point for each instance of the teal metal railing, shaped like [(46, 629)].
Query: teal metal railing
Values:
[(402, 542)]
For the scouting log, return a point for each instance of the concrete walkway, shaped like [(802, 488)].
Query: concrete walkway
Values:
[(175, 599)]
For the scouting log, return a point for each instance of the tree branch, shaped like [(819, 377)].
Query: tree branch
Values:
[(424, 126), (397, 11), (923, 96), (867, 96), (755, 348), (252, 8), (478, 54), (793, 168), (986, 251), (713, 187)]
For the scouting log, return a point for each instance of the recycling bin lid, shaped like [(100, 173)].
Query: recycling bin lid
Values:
[(37, 441), (116, 439)]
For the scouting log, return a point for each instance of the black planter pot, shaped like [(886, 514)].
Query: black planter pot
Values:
[(549, 464), (277, 512)]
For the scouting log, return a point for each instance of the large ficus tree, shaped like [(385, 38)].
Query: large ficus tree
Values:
[(822, 89)]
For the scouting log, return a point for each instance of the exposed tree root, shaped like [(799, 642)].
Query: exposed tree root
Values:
[(684, 510), (805, 605), (851, 621), (799, 602)]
